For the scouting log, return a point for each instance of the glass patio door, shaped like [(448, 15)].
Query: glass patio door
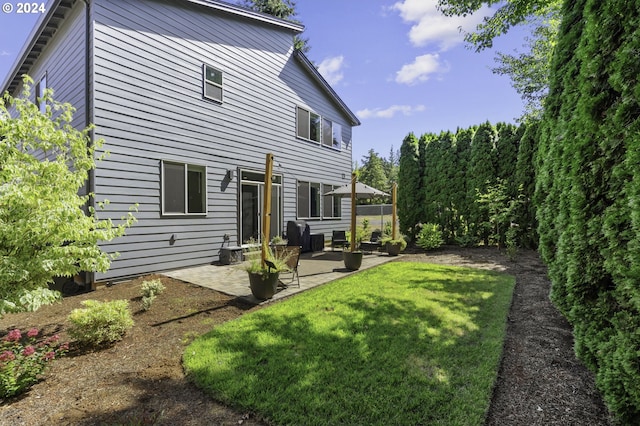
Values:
[(251, 201)]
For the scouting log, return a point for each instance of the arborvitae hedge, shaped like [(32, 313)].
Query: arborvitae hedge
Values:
[(410, 181), (524, 177), (481, 174), (452, 167), (588, 190)]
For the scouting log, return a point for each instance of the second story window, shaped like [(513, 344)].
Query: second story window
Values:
[(331, 134), (308, 125), (212, 82)]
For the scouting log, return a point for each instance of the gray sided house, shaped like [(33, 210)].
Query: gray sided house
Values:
[(190, 96)]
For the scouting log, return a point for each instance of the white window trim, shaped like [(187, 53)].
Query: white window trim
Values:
[(186, 189), (308, 136), (206, 81)]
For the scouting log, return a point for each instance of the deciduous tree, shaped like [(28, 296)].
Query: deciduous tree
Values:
[(46, 229)]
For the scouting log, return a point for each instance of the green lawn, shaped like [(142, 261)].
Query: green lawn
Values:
[(403, 343)]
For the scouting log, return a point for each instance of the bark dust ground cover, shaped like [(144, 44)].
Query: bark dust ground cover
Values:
[(140, 379)]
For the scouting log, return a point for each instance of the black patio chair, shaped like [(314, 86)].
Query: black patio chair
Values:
[(373, 244), (339, 238)]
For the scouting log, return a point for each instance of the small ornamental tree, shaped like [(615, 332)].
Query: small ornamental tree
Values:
[(47, 227)]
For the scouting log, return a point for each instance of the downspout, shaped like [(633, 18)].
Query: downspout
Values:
[(88, 116)]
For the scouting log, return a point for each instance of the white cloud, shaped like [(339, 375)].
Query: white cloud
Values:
[(421, 69), (331, 69), (389, 112), (431, 26), (4, 53)]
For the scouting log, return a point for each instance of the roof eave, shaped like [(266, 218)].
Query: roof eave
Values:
[(247, 13), (28, 48), (302, 58)]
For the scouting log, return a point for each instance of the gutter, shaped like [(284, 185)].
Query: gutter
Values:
[(90, 277)]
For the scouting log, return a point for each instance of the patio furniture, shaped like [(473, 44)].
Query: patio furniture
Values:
[(299, 234), (373, 244), (293, 260), (317, 242), (339, 238)]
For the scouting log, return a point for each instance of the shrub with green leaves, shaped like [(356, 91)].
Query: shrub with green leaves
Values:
[(100, 322), (30, 300), (150, 289), (23, 360), (45, 227), (429, 237)]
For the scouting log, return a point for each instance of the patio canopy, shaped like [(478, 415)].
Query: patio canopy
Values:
[(362, 191)]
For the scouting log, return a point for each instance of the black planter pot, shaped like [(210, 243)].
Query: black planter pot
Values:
[(263, 286), (352, 260)]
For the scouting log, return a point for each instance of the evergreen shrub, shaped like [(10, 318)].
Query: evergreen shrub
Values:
[(100, 322), (429, 237)]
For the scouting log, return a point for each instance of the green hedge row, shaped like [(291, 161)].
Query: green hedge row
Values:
[(588, 191), (441, 174)]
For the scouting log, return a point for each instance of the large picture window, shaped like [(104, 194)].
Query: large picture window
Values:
[(212, 82), (308, 125), (184, 188), (308, 199), (331, 204)]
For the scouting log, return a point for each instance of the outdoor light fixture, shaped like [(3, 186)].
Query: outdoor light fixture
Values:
[(230, 174)]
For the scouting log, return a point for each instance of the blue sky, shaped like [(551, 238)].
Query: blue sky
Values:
[(399, 65)]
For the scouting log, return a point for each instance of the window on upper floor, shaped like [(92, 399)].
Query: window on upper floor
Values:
[(331, 134), (308, 199), (40, 88), (308, 125), (184, 188), (212, 83)]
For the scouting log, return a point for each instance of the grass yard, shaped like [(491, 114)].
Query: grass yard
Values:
[(403, 343)]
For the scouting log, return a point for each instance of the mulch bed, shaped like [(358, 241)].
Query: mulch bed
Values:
[(140, 380)]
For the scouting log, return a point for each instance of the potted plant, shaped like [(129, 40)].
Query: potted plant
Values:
[(394, 247), (353, 259), (263, 279), (278, 241)]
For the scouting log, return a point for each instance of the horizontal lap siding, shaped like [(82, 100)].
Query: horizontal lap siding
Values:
[(148, 58)]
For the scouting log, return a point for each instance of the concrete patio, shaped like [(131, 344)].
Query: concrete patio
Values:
[(314, 268)]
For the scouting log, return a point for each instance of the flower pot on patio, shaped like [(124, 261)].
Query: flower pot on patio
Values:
[(263, 284), (393, 249), (352, 260)]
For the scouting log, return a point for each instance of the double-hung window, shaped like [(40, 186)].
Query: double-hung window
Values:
[(184, 188), (308, 125), (212, 83), (308, 199)]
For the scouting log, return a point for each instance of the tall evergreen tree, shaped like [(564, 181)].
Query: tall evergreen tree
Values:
[(372, 173), (506, 153), (524, 178), (588, 189), (410, 191), (481, 174), (461, 198), (283, 9)]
